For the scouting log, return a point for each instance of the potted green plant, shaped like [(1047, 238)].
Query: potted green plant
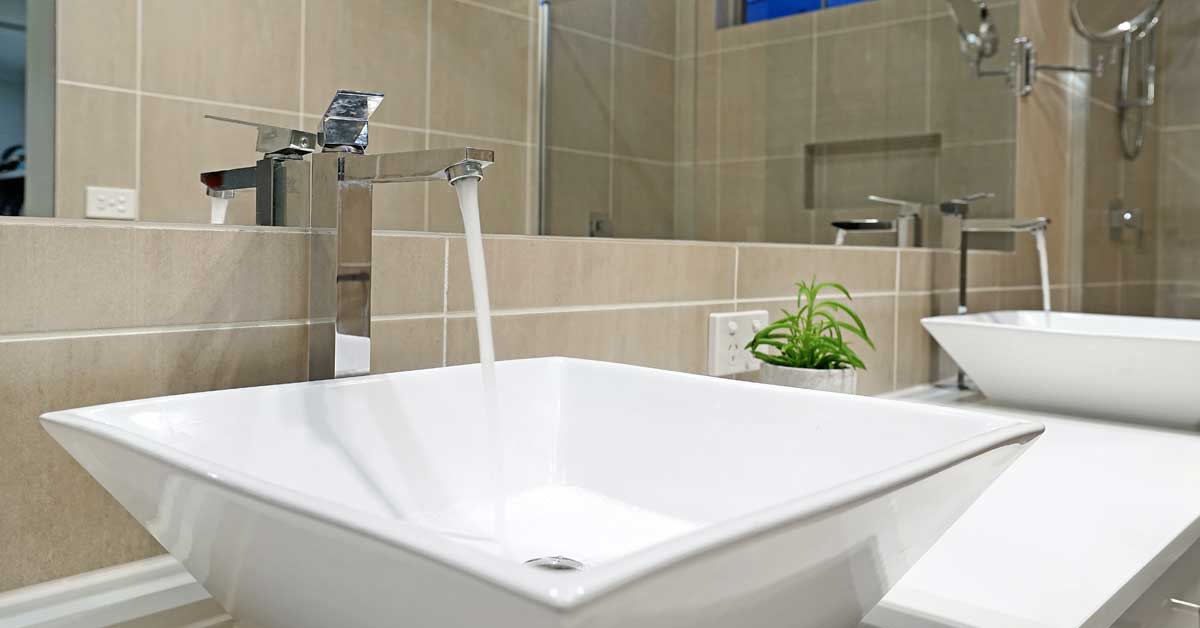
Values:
[(809, 349)]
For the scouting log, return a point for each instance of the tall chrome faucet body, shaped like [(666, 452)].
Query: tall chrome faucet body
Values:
[(332, 193), (960, 207)]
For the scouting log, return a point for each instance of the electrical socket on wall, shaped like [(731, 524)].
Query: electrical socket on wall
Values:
[(728, 335), (111, 203)]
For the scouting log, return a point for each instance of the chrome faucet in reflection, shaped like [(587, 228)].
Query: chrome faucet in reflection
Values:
[(332, 193)]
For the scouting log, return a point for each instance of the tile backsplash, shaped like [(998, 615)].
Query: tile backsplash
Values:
[(106, 312), (137, 76)]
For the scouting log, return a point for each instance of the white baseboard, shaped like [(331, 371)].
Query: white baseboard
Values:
[(148, 592)]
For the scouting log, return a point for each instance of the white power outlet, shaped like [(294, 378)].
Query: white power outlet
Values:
[(111, 203), (728, 335)]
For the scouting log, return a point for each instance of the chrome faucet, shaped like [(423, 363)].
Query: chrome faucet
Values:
[(905, 226), (908, 220), (960, 207), (332, 193)]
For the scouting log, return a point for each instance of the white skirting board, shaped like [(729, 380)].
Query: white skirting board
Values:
[(151, 593)]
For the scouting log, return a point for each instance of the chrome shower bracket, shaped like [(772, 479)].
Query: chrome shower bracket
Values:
[(1023, 68)]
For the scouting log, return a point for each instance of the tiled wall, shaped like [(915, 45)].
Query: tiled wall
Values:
[(137, 76), (1178, 163), (768, 119), (101, 312), (1158, 271), (768, 93), (611, 128)]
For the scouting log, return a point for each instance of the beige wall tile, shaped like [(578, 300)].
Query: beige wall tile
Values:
[(705, 219), (50, 270), (648, 24), (533, 273), (521, 7), (916, 350), (171, 189), (916, 270), (591, 16), (1179, 202), (477, 90), (790, 27), (1101, 255), (409, 274), (1102, 299), (704, 129), (965, 108), (643, 200), (772, 271), (503, 195), (644, 105), (1179, 80), (578, 187), (1138, 300), (766, 100), (580, 92), (88, 118), (97, 41), (372, 45), (171, 277), (872, 83), (867, 13), (654, 337), (235, 51), (217, 276), (406, 344), (743, 200), (66, 522)]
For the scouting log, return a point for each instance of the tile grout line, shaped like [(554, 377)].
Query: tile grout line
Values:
[(613, 41), (281, 112), (592, 153), (737, 261), (148, 330), (612, 119)]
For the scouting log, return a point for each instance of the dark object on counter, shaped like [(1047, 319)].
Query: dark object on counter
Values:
[(12, 180)]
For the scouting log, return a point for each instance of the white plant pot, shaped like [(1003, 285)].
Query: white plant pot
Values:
[(831, 380)]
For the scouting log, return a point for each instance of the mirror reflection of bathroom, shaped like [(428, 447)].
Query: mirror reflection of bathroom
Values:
[(779, 121)]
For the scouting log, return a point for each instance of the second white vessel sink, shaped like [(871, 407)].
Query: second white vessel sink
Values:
[(687, 501), (1123, 368)]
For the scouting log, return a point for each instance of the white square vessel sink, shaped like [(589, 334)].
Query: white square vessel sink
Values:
[(690, 501), (1123, 368)]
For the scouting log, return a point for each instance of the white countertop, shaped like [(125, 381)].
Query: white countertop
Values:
[(1069, 536)]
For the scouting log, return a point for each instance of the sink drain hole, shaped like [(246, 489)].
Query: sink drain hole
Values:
[(555, 563)]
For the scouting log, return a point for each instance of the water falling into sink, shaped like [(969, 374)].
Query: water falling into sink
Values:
[(1040, 237), (467, 189)]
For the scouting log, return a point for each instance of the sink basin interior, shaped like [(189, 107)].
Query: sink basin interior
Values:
[(597, 461)]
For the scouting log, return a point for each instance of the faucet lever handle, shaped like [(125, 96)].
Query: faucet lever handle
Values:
[(344, 125), (276, 140), (905, 207)]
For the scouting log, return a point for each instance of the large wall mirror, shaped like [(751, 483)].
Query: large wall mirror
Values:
[(733, 120), (798, 121)]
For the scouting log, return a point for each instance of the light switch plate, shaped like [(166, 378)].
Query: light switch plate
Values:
[(728, 335), (111, 203)]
